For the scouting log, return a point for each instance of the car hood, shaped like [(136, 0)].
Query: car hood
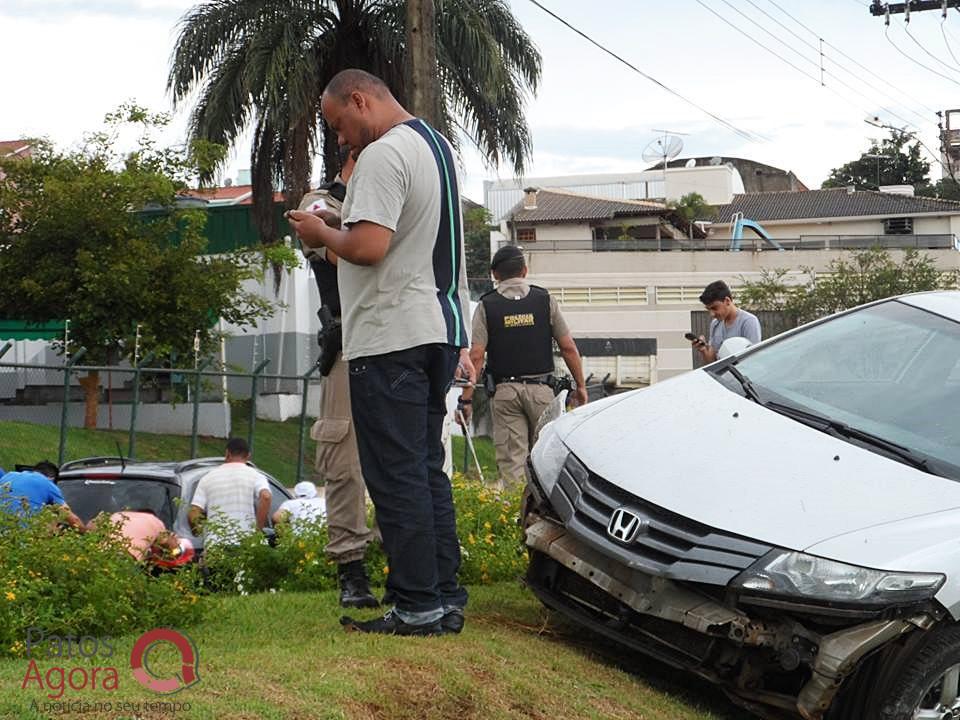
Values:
[(692, 446)]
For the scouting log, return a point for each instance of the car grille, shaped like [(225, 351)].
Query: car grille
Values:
[(669, 545)]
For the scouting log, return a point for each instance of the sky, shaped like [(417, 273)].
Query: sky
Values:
[(69, 62)]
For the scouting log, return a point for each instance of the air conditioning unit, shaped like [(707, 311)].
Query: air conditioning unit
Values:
[(898, 226)]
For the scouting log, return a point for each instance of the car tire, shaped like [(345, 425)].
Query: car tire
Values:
[(915, 691)]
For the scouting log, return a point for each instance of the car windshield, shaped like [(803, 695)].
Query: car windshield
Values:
[(87, 497), (890, 370)]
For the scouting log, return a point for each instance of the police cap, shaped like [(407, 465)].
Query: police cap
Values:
[(507, 252)]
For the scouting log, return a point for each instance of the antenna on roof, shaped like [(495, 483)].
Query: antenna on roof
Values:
[(663, 149), (123, 463)]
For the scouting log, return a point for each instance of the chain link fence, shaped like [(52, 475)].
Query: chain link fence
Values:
[(71, 411)]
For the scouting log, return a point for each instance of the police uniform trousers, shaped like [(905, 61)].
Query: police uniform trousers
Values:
[(516, 409), (338, 466)]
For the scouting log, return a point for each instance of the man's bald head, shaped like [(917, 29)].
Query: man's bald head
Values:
[(359, 108), (347, 82)]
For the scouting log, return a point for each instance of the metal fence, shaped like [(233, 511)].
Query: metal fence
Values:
[(804, 242), (145, 412)]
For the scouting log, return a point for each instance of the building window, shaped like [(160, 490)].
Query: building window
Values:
[(526, 235), (898, 226)]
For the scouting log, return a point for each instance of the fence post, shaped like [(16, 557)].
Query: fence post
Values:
[(303, 419), (253, 400), (6, 346), (196, 406), (132, 441), (62, 451)]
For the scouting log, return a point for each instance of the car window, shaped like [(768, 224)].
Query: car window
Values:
[(89, 497), (889, 369), (278, 495)]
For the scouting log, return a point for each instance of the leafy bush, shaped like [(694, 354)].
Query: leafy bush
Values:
[(68, 583), (487, 522)]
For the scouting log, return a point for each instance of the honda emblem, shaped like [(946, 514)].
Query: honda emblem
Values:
[(625, 525)]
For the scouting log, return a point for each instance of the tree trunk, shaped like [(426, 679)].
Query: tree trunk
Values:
[(423, 82), (91, 398)]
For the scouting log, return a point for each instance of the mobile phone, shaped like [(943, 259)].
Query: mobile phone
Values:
[(692, 338)]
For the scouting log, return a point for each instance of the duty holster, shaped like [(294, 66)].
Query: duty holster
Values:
[(489, 383), (330, 339)]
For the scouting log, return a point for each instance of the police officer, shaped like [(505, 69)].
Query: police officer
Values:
[(515, 326), (338, 461)]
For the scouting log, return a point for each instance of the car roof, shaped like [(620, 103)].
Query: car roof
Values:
[(169, 471), (943, 302)]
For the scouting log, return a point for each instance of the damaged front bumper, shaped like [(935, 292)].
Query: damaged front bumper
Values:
[(776, 663)]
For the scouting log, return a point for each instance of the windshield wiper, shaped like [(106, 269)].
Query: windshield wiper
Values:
[(748, 389), (841, 429)]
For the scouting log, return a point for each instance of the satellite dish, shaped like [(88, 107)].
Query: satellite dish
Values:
[(692, 162), (663, 149)]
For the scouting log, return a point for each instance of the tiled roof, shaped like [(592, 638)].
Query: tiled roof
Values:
[(11, 147), (563, 206), (221, 195), (838, 202)]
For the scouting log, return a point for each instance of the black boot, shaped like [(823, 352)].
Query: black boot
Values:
[(354, 586)]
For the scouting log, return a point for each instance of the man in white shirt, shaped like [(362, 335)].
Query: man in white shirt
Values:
[(307, 505), (234, 495)]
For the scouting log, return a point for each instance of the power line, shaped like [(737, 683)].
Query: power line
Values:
[(822, 69), (855, 62), (919, 45), (943, 31), (745, 134), (886, 34), (840, 95), (776, 54), (757, 42), (837, 64)]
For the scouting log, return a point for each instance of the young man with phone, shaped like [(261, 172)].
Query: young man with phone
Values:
[(728, 321)]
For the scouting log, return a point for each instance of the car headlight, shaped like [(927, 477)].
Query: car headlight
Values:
[(782, 572), (548, 457)]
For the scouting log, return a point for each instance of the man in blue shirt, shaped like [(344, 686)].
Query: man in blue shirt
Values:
[(26, 493)]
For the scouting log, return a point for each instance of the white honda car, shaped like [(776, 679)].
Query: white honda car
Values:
[(784, 522)]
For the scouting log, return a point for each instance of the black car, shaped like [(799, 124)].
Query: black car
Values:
[(110, 484)]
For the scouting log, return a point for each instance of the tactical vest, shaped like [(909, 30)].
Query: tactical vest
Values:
[(519, 336), (324, 272)]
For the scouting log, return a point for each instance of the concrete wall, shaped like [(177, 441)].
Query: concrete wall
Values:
[(922, 225), (690, 270), (717, 184), (213, 418)]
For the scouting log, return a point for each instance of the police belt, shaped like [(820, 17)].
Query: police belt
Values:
[(548, 380)]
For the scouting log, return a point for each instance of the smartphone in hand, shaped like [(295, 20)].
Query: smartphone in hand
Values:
[(693, 338)]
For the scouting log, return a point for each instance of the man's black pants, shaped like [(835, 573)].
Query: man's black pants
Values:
[(399, 404)]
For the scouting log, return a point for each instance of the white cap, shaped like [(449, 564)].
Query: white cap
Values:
[(305, 489)]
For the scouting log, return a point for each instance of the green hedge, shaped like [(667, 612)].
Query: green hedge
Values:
[(67, 583), (487, 522)]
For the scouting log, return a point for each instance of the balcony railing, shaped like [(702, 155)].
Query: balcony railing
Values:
[(804, 242)]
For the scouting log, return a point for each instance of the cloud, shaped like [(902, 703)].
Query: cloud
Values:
[(55, 11)]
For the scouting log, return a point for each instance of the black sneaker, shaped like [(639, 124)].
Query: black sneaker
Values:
[(390, 624), (452, 622)]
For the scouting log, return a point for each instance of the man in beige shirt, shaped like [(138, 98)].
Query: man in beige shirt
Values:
[(515, 326)]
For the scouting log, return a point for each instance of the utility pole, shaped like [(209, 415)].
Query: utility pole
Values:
[(422, 78), (879, 8)]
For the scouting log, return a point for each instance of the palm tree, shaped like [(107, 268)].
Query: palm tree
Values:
[(266, 62)]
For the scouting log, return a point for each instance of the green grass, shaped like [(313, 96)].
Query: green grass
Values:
[(275, 445), (285, 657)]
